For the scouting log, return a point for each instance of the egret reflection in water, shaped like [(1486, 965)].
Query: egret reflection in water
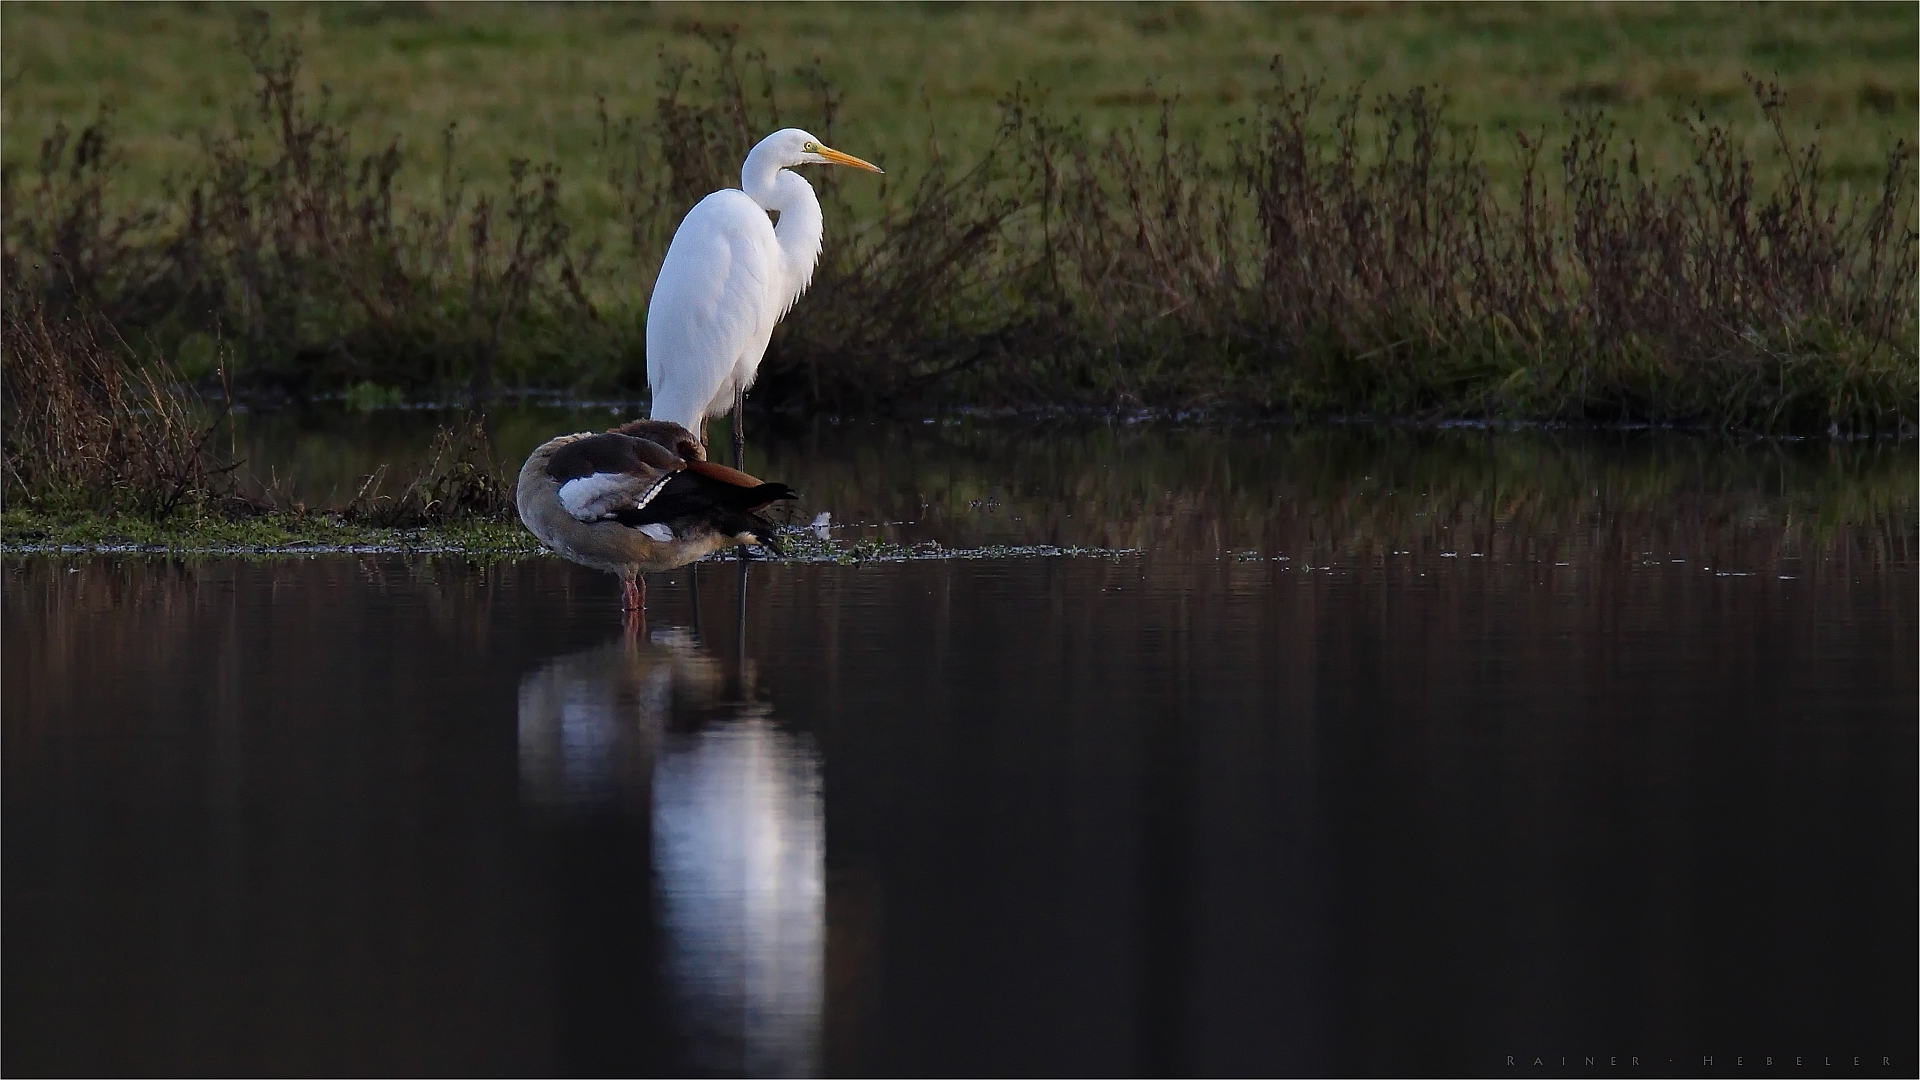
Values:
[(654, 726)]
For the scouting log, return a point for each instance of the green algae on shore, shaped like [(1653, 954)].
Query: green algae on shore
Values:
[(27, 532), (272, 535)]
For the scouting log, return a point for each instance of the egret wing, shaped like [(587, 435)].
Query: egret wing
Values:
[(712, 302)]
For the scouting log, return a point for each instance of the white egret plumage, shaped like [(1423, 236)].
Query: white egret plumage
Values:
[(729, 276)]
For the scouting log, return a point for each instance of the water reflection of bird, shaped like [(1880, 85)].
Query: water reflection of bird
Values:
[(729, 277), (740, 853), (737, 827), (591, 721), (640, 499)]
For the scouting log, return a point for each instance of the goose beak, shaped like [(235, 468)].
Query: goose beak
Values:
[(839, 158)]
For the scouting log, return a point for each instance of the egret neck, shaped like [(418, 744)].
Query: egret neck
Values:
[(799, 230)]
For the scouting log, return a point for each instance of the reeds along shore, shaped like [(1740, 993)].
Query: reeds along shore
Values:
[(88, 433), (1346, 254)]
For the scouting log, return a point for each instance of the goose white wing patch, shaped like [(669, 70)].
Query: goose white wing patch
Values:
[(590, 498), (658, 531), (598, 496)]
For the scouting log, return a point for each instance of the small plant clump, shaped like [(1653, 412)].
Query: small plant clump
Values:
[(82, 428), (460, 482), (90, 433)]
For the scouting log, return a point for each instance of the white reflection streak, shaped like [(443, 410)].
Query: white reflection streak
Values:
[(739, 849), (738, 837)]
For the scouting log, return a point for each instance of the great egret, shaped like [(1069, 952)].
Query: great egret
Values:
[(729, 276), (640, 499)]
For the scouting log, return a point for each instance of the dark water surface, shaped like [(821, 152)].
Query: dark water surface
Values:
[(1383, 752)]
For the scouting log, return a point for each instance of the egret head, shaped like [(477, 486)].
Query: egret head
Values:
[(792, 146)]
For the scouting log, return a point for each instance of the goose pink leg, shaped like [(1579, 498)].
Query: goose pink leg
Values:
[(634, 596)]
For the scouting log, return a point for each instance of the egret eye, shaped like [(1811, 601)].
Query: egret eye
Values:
[(810, 148)]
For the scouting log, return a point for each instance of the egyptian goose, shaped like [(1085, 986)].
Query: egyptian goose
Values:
[(640, 499)]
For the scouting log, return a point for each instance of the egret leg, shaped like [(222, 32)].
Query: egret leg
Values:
[(693, 583), (740, 462), (739, 428), (740, 630)]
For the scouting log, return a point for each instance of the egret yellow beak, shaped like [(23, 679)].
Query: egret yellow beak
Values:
[(839, 158)]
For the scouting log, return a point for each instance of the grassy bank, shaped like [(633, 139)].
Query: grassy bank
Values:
[(270, 533), (1293, 247)]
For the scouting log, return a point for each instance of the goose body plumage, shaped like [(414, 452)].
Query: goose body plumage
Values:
[(640, 499)]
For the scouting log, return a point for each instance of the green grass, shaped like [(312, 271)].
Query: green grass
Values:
[(524, 80)]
